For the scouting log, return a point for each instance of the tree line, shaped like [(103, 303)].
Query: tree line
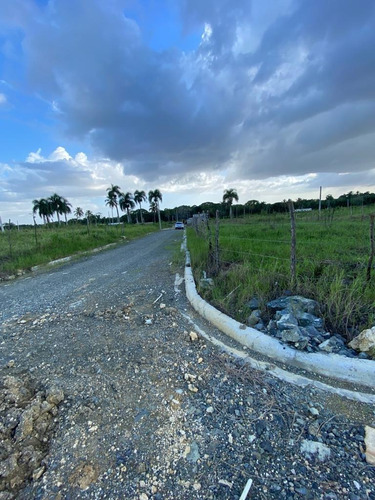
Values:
[(225, 208), (116, 199), (131, 205)]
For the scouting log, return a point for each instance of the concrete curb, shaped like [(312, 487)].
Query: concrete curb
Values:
[(354, 371), (71, 257)]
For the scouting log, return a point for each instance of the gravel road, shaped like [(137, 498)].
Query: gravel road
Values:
[(107, 392)]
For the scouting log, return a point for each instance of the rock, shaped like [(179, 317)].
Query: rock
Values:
[(278, 304), (193, 336), (16, 390), (307, 319), (38, 472), (314, 412), (84, 475), (9, 466), (266, 446), (314, 448), (292, 335), (192, 452), (253, 304), (55, 395), (312, 332), (272, 327), (314, 428), (328, 345), (260, 427), (254, 318), (365, 342), (370, 445), (295, 304), (26, 425), (286, 322)]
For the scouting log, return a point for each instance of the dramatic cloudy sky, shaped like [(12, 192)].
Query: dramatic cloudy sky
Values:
[(273, 98)]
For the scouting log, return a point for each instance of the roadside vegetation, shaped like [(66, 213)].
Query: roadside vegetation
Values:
[(28, 247), (254, 255)]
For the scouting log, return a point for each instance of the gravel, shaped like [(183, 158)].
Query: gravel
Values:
[(140, 406)]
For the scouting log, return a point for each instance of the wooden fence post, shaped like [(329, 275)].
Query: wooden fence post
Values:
[(35, 232), (217, 257), (293, 242), (372, 246)]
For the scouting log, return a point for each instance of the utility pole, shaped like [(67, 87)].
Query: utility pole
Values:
[(1, 225)]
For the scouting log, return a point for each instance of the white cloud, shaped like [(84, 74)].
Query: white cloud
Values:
[(3, 99)]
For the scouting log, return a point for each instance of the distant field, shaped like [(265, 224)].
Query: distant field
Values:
[(332, 257), (20, 250)]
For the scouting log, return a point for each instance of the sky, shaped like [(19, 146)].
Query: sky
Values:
[(191, 97)]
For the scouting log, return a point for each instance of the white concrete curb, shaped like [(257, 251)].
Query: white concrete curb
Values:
[(355, 371)]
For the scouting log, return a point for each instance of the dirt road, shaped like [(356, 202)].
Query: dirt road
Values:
[(107, 393)]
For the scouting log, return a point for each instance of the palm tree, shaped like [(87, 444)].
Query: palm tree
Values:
[(140, 196), (44, 209), (228, 197), (66, 208), (126, 203), (114, 193), (60, 205), (156, 197), (111, 202), (153, 209), (78, 212)]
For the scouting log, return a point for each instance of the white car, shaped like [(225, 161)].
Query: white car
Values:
[(179, 225)]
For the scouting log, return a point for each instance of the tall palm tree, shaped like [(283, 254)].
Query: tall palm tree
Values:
[(66, 208), (111, 202), (156, 197), (153, 209), (78, 212), (126, 202), (114, 193), (228, 197), (44, 209), (59, 205), (139, 197)]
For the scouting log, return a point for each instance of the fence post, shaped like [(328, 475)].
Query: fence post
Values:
[(35, 232), (293, 242), (217, 256), (10, 239), (320, 201), (372, 246)]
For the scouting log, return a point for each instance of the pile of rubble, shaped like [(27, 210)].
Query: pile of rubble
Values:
[(296, 321)]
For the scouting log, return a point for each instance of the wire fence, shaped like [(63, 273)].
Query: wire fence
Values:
[(302, 254)]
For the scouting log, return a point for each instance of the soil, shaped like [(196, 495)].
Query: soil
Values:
[(107, 392)]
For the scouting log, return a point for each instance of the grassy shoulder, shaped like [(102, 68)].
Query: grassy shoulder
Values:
[(21, 250), (254, 256)]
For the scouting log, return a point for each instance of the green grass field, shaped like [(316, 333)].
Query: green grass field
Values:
[(23, 249), (332, 257)]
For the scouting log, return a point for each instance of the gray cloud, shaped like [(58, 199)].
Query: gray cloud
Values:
[(299, 100)]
